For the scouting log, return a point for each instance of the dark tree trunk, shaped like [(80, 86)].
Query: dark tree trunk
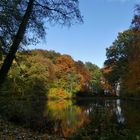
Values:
[(16, 42)]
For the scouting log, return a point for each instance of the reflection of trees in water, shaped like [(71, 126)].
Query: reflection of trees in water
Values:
[(107, 122), (131, 112), (113, 106), (96, 119), (67, 117), (26, 110)]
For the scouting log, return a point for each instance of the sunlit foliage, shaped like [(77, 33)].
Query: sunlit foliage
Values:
[(123, 59), (56, 75)]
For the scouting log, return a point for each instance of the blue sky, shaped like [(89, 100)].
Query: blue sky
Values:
[(103, 19)]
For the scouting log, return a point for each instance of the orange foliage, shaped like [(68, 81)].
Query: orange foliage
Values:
[(65, 63), (84, 74), (132, 77), (104, 83), (106, 69)]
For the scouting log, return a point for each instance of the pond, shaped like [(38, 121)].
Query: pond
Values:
[(96, 119)]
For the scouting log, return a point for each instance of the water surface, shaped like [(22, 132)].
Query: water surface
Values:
[(98, 119)]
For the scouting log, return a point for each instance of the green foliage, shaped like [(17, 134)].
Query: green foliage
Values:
[(48, 72), (136, 19), (123, 59), (68, 82), (30, 76), (96, 75), (58, 93), (117, 56), (23, 23), (12, 13)]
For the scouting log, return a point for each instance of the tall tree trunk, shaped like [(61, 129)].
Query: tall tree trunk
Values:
[(16, 42)]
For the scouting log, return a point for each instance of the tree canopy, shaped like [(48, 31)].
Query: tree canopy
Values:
[(52, 11), (23, 22), (51, 73), (123, 58)]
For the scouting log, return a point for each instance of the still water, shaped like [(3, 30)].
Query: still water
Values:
[(98, 119)]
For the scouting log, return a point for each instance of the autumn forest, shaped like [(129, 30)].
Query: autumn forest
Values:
[(48, 95)]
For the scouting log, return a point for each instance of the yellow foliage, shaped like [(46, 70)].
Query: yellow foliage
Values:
[(56, 93)]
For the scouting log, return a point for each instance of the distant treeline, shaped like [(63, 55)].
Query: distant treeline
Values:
[(56, 75)]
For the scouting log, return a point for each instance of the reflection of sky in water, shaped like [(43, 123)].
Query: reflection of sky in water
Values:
[(119, 114)]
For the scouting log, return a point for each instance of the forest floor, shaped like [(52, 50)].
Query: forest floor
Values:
[(10, 131)]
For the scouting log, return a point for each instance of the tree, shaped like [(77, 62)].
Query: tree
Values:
[(95, 72), (21, 19), (117, 56), (66, 76), (136, 19), (32, 73), (84, 75), (123, 57), (120, 53)]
